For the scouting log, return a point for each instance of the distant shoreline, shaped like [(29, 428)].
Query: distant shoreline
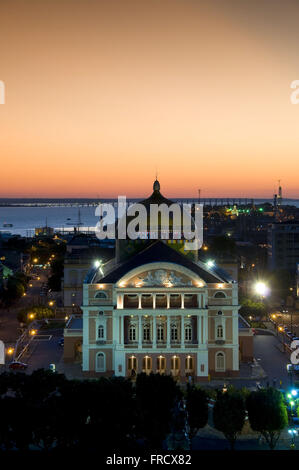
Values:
[(85, 202)]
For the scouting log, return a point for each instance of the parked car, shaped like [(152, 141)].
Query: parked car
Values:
[(16, 365)]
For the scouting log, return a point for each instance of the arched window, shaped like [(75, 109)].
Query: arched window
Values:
[(160, 333), (147, 364), (220, 295), (161, 364), (220, 362), (132, 363), (100, 362), (174, 332), (132, 332), (219, 332), (146, 332), (175, 364), (101, 294), (101, 332), (220, 312), (189, 363), (101, 313), (188, 333)]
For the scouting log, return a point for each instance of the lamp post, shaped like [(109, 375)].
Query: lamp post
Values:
[(293, 433)]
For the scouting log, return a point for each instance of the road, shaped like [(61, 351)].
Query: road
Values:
[(273, 361), (44, 350)]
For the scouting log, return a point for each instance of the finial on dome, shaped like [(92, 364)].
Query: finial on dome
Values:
[(156, 185)]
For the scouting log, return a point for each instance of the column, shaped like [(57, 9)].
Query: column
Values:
[(182, 300), (168, 331), (182, 332), (154, 301), (168, 300), (139, 332), (199, 300), (139, 300), (199, 329), (154, 331), (121, 330), (205, 328)]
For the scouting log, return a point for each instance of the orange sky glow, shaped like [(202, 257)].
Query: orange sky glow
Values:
[(102, 94)]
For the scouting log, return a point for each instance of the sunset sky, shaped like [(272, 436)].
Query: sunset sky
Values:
[(102, 94)]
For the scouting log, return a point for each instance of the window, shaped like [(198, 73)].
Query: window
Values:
[(189, 363), (147, 364), (220, 362), (100, 362), (101, 294), (188, 333), (174, 332), (132, 333), (160, 333), (175, 363), (220, 295), (132, 363), (101, 313), (219, 332), (101, 332), (220, 313), (161, 364), (146, 332)]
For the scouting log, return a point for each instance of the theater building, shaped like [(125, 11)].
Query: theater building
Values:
[(158, 311)]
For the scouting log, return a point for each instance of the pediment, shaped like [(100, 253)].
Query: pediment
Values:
[(160, 278)]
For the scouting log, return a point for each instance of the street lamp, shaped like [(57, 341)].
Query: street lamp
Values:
[(32, 332), (210, 263), (261, 289), (293, 433)]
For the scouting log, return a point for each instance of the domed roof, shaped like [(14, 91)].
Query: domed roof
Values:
[(156, 185), (156, 197)]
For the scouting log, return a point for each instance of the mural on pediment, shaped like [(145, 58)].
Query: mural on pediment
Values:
[(162, 278)]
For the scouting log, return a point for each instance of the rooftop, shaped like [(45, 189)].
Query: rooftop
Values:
[(158, 251)]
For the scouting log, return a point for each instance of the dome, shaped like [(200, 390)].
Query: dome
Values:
[(156, 186)]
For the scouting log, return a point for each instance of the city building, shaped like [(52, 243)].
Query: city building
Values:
[(82, 251), (283, 245)]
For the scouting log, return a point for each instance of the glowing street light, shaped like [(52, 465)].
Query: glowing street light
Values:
[(33, 332), (10, 350), (261, 289), (31, 316), (210, 263), (51, 303)]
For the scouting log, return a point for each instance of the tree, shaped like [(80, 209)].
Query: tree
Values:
[(249, 307), (229, 414), (54, 281), (156, 396), (13, 290), (267, 414), (197, 408)]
